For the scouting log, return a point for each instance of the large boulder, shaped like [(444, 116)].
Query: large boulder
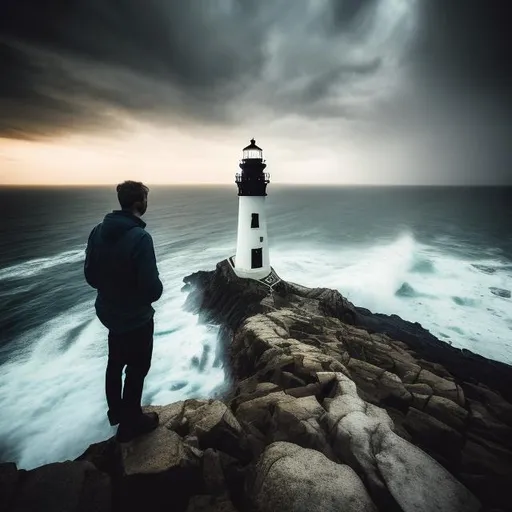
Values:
[(63, 486), (294, 479), (447, 411), (153, 464), (434, 434), (484, 424), (499, 407), (297, 421), (500, 292), (362, 434), (258, 412), (379, 386), (158, 452), (442, 386), (213, 425), (416, 481)]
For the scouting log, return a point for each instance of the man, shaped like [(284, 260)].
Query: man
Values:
[(120, 263)]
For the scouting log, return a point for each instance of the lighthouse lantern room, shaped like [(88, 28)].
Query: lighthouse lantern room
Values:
[(252, 255)]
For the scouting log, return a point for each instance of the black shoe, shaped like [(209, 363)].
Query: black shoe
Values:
[(142, 425), (113, 418)]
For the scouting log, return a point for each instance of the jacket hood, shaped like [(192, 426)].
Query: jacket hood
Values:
[(117, 223)]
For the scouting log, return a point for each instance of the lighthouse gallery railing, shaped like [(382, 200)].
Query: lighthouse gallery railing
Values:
[(239, 177)]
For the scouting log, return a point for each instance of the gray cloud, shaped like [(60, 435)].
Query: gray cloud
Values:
[(391, 68), (187, 58), (75, 58)]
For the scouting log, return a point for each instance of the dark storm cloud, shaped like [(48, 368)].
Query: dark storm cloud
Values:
[(27, 108), (73, 63), (423, 67), (70, 57), (175, 39)]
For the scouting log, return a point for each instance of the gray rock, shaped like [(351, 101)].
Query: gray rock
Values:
[(216, 427), (250, 389), (309, 390), (433, 433), (447, 411), (420, 401), (166, 413), (493, 402), (212, 472), (378, 385), (159, 468), (64, 487), (257, 411), (417, 482), (209, 416), (362, 435), (500, 292), (484, 268), (351, 423), (442, 387), (157, 452), (294, 479), (419, 389), (298, 423), (483, 424), (299, 409)]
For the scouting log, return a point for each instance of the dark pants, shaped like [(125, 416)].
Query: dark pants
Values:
[(132, 349)]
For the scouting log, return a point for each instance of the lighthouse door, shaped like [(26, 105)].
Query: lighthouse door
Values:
[(257, 258)]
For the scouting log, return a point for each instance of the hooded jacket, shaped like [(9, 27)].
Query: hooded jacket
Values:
[(120, 263)]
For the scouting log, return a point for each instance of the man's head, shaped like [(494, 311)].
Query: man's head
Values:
[(133, 196)]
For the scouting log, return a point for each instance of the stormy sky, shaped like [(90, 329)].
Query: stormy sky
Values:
[(336, 91)]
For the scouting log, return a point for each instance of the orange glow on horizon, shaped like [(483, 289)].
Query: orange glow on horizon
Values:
[(151, 156), (80, 160), (200, 155)]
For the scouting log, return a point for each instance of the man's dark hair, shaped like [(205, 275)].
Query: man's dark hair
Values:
[(129, 192)]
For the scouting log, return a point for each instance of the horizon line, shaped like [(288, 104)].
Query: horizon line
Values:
[(210, 184)]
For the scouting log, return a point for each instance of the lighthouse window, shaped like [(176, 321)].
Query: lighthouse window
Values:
[(261, 239), (255, 220)]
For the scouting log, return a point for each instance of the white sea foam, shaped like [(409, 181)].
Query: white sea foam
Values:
[(52, 392), (453, 298), (34, 267)]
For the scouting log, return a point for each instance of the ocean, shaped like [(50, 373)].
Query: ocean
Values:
[(428, 254)]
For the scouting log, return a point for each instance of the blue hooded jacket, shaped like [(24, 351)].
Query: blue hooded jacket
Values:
[(120, 263)]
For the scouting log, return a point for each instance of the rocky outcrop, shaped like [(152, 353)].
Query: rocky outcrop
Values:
[(223, 298), (312, 369), (331, 408)]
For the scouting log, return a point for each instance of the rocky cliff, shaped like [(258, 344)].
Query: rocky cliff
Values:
[(332, 408)]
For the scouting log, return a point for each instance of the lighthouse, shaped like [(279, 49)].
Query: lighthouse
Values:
[(252, 255)]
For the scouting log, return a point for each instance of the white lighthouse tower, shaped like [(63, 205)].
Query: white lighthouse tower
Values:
[(252, 257)]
